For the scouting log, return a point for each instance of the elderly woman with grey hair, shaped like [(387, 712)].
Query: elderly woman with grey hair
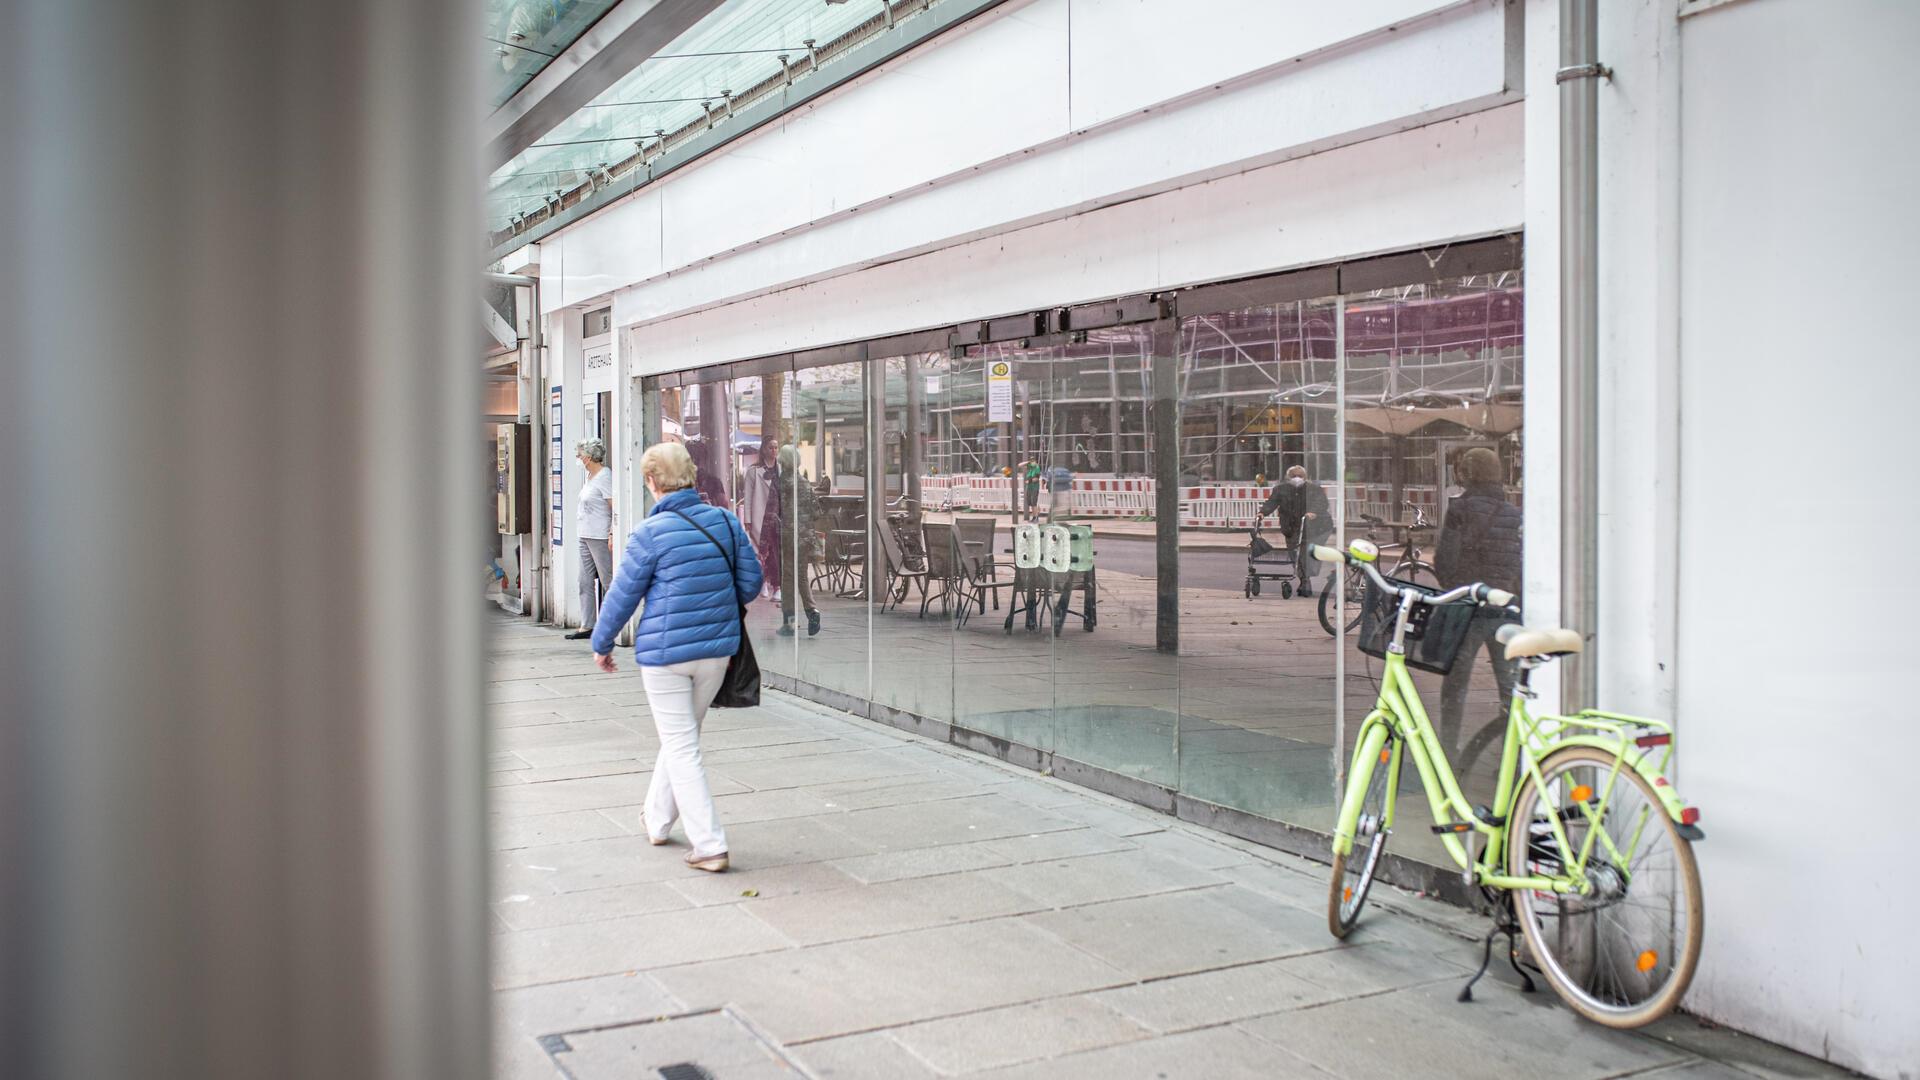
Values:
[(595, 526)]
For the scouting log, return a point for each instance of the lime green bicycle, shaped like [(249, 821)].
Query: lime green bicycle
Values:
[(1587, 849)]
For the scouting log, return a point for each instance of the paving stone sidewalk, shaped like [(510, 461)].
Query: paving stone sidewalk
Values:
[(900, 909)]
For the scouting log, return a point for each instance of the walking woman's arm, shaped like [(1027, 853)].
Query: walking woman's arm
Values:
[(630, 583)]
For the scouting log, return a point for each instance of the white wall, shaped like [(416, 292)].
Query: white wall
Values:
[(1036, 112), (1799, 168), (1453, 180)]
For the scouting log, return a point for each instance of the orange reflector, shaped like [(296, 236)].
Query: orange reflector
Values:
[(1384, 755), (1582, 793), (1647, 960), (1348, 895)]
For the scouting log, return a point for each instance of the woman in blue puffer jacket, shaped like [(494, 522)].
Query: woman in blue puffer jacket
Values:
[(693, 566)]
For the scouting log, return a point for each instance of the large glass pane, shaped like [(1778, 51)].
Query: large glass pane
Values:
[(759, 431), (1116, 692), (913, 654), (1433, 418), (827, 609), (1257, 723), (998, 425)]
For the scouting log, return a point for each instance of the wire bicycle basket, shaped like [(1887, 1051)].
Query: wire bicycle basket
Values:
[(1435, 632)]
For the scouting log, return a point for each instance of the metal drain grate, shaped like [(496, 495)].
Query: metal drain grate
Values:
[(686, 1070)]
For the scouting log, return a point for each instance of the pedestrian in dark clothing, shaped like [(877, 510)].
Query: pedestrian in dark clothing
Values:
[(1300, 506), (1480, 542)]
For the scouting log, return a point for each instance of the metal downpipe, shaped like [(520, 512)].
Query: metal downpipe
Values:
[(1578, 79)]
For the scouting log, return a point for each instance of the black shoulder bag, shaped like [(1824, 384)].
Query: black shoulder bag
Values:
[(741, 688)]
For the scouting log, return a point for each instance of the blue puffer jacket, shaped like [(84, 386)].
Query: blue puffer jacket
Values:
[(693, 610)]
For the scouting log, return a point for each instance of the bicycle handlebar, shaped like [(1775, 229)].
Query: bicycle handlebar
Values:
[(1478, 592)]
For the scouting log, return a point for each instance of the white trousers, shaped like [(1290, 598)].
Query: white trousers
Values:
[(678, 695)]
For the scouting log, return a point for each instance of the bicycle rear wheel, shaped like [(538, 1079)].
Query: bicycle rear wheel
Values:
[(1353, 873), (1624, 955)]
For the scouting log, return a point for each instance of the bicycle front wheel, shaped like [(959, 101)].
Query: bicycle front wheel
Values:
[(1353, 874), (1624, 954), (1356, 592)]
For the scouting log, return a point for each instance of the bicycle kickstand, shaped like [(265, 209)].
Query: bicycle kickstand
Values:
[(1512, 930)]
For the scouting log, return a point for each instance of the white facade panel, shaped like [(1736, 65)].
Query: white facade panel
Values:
[(1451, 180), (1445, 66), (1797, 343), (973, 136), (1129, 55)]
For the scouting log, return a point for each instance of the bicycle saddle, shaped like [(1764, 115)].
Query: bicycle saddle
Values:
[(1541, 641)]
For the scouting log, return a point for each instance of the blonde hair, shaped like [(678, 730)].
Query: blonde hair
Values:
[(667, 466)]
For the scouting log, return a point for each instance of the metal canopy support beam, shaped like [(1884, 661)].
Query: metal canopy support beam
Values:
[(623, 38), (844, 68)]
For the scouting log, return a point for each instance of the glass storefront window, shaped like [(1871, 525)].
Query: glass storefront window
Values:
[(1201, 655), (1433, 446), (1257, 724)]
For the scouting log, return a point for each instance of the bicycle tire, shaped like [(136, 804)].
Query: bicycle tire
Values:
[(1356, 591), (1416, 571), (1551, 956), (1347, 892)]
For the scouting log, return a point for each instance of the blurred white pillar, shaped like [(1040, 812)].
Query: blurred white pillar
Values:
[(241, 741)]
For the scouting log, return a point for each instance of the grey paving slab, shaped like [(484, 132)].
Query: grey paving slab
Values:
[(925, 862), (634, 943), (1175, 933), (751, 885), (592, 864), (910, 904), (508, 831), (871, 1056), (582, 1004), (859, 985), (1089, 879), (1185, 1002), (1192, 849), (1017, 1034), (1355, 969), (1222, 1053), (893, 791), (715, 1041), (590, 905), (818, 769), (949, 821), (1501, 1034)]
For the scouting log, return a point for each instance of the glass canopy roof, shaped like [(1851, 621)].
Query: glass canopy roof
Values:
[(523, 36), (736, 47)]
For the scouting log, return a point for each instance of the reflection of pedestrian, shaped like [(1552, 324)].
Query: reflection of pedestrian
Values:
[(1480, 543), (595, 525), (1030, 475), (1301, 508), (757, 484), (708, 462), (797, 507)]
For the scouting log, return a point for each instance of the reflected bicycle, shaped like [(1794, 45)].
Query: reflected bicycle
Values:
[(1587, 850), (1408, 567)]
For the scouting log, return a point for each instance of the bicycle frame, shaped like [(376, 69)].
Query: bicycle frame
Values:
[(1399, 715)]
